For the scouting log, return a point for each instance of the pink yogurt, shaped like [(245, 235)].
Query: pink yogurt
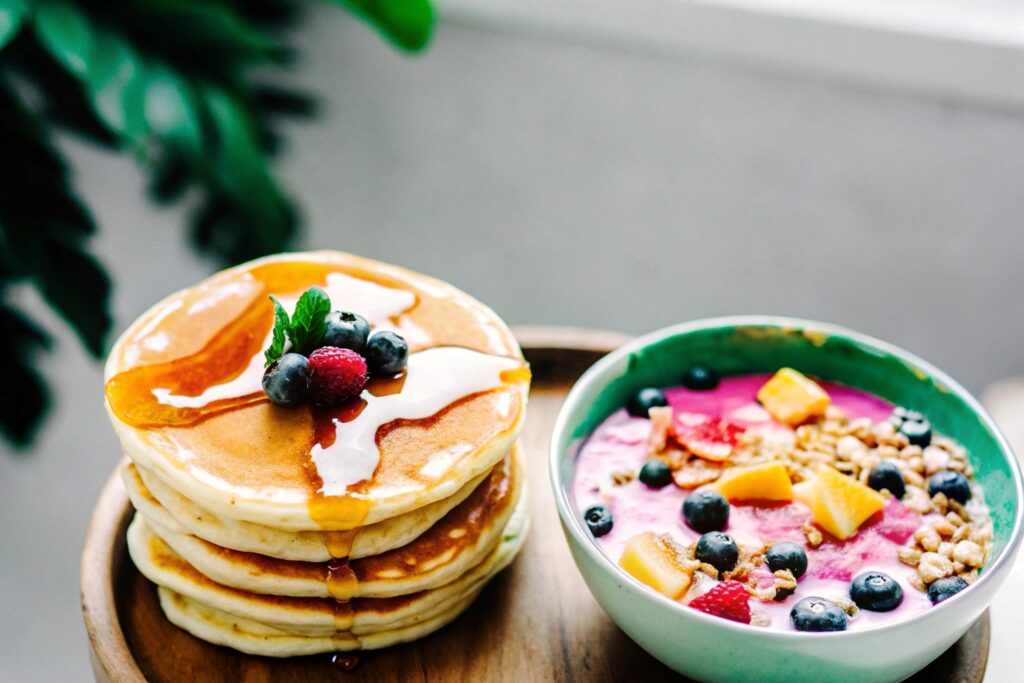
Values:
[(619, 444)]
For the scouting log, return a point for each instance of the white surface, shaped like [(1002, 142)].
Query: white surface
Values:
[(962, 50)]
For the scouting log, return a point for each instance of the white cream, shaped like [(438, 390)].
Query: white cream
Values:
[(435, 379), (374, 302)]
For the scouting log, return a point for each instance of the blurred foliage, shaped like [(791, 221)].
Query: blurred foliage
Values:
[(184, 87)]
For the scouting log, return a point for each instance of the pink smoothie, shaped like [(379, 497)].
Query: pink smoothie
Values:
[(619, 444)]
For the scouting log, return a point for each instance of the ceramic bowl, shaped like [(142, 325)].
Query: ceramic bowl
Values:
[(707, 648)]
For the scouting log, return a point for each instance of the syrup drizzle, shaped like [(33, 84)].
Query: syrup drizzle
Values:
[(435, 379), (226, 373)]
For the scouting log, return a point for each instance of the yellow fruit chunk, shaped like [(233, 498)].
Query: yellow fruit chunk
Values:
[(792, 398), (769, 481), (839, 503), (804, 492), (657, 561)]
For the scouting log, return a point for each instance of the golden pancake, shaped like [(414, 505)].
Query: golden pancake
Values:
[(457, 542), (170, 510), (316, 616), (222, 628), (184, 398)]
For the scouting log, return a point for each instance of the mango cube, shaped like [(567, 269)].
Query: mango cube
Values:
[(791, 398), (840, 504), (769, 481), (659, 562)]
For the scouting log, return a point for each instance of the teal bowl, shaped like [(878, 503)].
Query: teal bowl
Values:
[(707, 648)]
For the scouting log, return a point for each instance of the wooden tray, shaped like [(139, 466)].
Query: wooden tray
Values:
[(534, 622)]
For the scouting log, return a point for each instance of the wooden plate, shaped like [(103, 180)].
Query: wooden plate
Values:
[(534, 622)]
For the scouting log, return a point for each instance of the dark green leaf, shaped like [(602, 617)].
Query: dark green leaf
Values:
[(170, 110), (309, 321), (22, 409), (406, 23), (116, 79), (281, 326), (12, 14), (242, 173), (66, 33), (24, 404), (73, 282)]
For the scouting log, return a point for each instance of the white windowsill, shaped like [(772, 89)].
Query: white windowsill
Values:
[(968, 51)]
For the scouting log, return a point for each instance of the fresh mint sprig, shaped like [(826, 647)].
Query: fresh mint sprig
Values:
[(306, 327)]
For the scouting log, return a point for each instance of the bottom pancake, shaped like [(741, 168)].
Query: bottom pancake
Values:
[(201, 606), (250, 637)]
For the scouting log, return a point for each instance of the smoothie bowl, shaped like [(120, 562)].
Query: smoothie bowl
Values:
[(774, 499)]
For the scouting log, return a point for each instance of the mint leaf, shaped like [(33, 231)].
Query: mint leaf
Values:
[(281, 326), (309, 321)]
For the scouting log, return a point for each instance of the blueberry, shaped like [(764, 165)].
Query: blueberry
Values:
[(901, 415), (599, 520), (945, 588), (386, 353), (919, 433), (706, 510), (718, 550), (817, 614), (346, 331), (953, 484), (700, 378), (789, 556), (286, 382), (645, 399), (656, 474), (885, 475), (876, 592)]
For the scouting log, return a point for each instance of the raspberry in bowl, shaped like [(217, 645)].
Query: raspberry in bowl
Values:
[(823, 502)]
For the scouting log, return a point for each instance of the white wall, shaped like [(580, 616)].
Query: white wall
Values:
[(569, 184)]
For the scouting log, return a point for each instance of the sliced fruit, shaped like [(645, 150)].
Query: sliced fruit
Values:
[(711, 438), (792, 398), (804, 492), (841, 504), (659, 562), (729, 600), (769, 481)]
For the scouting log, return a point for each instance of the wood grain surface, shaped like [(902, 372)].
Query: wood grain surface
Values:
[(536, 621)]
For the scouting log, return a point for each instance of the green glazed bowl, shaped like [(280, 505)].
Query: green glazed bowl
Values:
[(707, 648)]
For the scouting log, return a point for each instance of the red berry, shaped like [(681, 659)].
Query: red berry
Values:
[(335, 375), (728, 600)]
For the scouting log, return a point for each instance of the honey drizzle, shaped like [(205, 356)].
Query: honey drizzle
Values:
[(223, 358), (339, 543), (342, 583)]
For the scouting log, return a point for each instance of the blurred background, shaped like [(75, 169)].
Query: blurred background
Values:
[(603, 164)]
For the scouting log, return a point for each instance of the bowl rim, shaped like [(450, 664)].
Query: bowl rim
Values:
[(597, 375)]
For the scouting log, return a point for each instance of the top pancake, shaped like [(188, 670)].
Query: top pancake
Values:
[(242, 457)]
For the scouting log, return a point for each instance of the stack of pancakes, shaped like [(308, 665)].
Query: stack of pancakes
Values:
[(279, 531)]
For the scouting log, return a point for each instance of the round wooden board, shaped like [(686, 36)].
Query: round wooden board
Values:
[(534, 622)]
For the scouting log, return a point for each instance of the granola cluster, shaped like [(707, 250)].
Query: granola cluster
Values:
[(948, 543)]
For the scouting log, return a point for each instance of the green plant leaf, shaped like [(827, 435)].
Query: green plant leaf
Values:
[(12, 15), (73, 281), (169, 106), (66, 33), (116, 79), (406, 23), (241, 170), (309, 321), (281, 325)]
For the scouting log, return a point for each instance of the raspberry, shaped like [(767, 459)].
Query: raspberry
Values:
[(335, 375), (728, 600)]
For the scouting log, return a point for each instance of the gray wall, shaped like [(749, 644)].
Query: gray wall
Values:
[(568, 184)]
